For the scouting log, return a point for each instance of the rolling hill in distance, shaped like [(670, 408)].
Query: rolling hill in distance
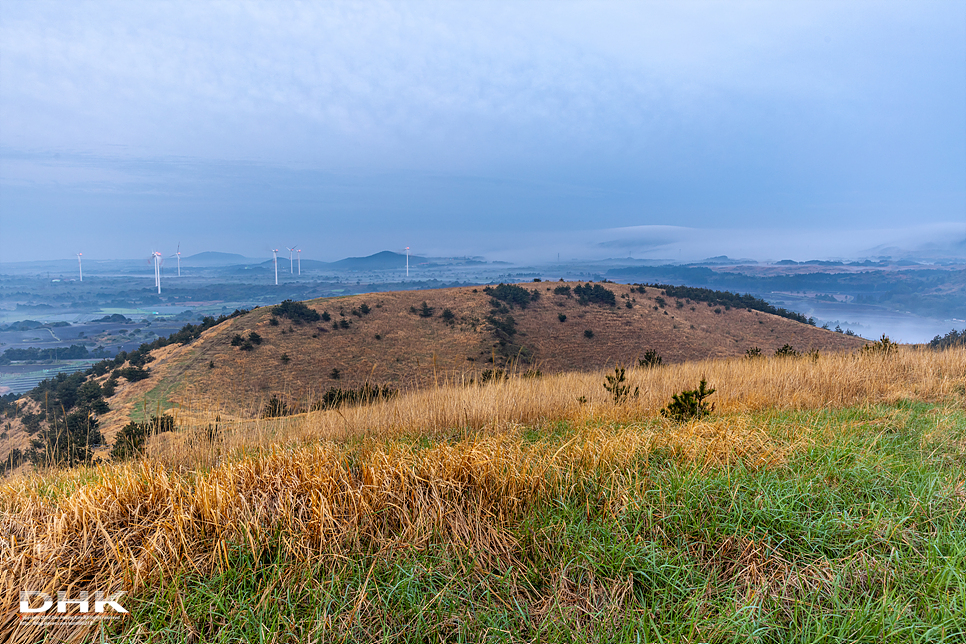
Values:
[(411, 339)]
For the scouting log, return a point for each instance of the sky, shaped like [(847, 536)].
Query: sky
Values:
[(510, 130)]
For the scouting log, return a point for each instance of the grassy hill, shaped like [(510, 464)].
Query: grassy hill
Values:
[(391, 339), (822, 500)]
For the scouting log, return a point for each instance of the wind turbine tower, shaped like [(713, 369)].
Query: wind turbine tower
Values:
[(299, 255), (179, 259), (291, 268), (407, 261), (275, 259), (157, 270), (80, 268)]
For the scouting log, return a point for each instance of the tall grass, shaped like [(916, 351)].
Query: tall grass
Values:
[(743, 385), (457, 468)]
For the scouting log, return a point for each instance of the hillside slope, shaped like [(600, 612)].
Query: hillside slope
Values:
[(462, 332)]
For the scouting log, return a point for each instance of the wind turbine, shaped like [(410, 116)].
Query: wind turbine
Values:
[(80, 268), (275, 259), (291, 269), (299, 255), (178, 254), (157, 270), (407, 261)]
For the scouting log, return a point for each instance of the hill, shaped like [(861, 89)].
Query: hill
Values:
[(213, 258), (415, 338), (538, 506), (384, 260)]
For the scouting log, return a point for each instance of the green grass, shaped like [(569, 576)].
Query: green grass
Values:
[(859, 537)]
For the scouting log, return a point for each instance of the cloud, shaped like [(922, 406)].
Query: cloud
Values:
[(467, 116)]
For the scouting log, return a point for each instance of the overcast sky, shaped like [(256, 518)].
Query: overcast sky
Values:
[(480, 127)]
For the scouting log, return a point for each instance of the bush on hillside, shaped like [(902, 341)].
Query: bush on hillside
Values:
[(275, 408), (786, 351), (512, 294), (952, 339), (726, 298), (493, 375), (689, 405), (881, 347), (297, 312), (336, 397), (616, 385), (595, 294), (129, 442), (651, 359)]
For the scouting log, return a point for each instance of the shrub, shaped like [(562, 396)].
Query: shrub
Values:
[(335, 374), (254, 338), (562, 317), (726, 298), (133, 374), (275, 408), (448, 316), (336, 397), (273, 321), (285, 359), (651, 359), (596, 294), (298, 312), (661, 302), (426, 311), (952, 339), (325, 316), (493, 375), (504, 328), (616, 386), (753, 352), (512, 294), (236, 340), (129, 442), (344, 323), (588, 334), (563, 290), (786, 351), (364, 308), (689, 404), (883, 347)]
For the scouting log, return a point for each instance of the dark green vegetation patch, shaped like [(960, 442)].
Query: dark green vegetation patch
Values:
[(728, 299), (297, 312)]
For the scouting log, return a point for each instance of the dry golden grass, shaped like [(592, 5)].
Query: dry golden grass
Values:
[(330, 484), (831, 380)]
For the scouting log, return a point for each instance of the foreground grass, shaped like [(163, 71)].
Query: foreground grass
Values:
[(857, 533)]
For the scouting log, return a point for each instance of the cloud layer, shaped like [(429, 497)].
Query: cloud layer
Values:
[(419, 119)]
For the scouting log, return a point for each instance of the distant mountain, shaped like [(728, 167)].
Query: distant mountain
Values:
[(212, 258), (386, 260)]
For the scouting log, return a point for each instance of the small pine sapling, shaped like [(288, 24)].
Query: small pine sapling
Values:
[(689, 404)]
